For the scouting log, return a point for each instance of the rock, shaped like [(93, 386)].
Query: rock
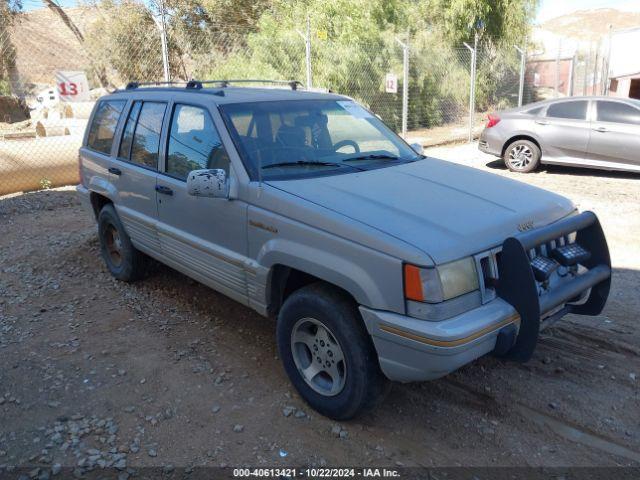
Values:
[(122, 372), (168, 469), (553, 405), (56, 469), (632, 376), (151, 452), (300, 414), (546, 360), (121, 464), (287, 411), (215, 408), (343, 434), (335, 430), (238, 428), (130, 409)]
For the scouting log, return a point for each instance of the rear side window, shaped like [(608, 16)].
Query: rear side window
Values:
[(194, 143), (570, 110), (534, 111), (104, 124), (617, 112), (141, 139)]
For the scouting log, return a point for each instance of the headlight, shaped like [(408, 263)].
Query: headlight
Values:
[(440, 283)]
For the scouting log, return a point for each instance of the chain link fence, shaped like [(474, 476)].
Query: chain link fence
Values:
[(40, 131)]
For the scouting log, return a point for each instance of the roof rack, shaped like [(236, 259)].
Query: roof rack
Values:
[(198, 84)]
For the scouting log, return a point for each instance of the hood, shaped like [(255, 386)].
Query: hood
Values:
[(444, 209)]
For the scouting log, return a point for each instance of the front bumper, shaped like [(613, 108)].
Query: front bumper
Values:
[(411, 350), (414, 350)]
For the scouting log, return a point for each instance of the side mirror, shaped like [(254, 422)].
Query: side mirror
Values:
[(417, 148), (208, 183)]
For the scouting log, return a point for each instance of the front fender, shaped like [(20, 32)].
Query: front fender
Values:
[(373, 278)]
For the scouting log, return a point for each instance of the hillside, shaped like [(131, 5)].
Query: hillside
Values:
[(591, 24), (45, 44)]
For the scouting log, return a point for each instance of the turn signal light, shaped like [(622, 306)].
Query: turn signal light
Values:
[(413, 283)]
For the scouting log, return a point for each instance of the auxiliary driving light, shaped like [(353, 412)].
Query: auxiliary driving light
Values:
[(543, 267), (569, 255)]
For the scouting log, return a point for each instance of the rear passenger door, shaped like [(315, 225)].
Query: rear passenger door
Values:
[(203, 237), (135, 173), (564, 131), (615, 136)]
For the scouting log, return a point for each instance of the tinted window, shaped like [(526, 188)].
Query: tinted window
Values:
[(572, 110), (194, 143), (146, 137), (127, 137), (104, 124), (618, 113)]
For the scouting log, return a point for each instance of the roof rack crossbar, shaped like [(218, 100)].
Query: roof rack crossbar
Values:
[(198, 84), (293, 84)]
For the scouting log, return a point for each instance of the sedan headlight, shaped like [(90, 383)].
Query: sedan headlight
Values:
[(437, 284)]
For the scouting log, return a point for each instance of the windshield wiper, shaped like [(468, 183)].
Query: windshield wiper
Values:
[(308, 162), (373, 156)]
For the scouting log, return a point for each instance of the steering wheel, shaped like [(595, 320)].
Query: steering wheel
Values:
[(347, 143)]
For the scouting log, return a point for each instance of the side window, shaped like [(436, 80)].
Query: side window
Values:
[(570, 110), (104, 124), (194, 143), (617, 112), (127, 138), (145, 144)]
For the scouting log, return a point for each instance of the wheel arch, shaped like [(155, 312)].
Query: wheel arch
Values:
[(283, 280)]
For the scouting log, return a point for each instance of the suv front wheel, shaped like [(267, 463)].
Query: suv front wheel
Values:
[(123, 260), (327, 353)]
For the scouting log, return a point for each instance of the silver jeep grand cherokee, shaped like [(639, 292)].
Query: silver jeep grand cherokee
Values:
[(378, 263)]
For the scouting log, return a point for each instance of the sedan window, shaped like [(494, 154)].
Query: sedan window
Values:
[(570, 110), (617, 112)]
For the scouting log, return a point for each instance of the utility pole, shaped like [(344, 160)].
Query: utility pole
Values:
[(163, 40)]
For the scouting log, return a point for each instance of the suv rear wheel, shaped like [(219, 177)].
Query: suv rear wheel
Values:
[(522, 156), (121, 257), (327, 353)]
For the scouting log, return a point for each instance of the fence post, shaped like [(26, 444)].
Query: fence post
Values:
[(405, 84), (523, 62), (307, 51), (472, 88), (557, 77)]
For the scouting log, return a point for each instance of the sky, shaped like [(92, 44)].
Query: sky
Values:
[(548, 8)]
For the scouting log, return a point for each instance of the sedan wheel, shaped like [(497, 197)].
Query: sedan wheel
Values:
[(522, 156)]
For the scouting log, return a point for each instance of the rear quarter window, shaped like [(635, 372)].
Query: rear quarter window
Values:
[(103, 126)]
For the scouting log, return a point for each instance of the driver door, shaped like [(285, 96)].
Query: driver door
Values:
[(203, 237)]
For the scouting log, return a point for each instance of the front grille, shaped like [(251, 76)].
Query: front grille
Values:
[(488, 271)]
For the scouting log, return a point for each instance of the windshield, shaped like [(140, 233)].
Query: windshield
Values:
[(302, 138)]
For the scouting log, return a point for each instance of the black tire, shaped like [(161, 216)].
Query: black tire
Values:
[(524, 163), (130, 265), (364, 384)]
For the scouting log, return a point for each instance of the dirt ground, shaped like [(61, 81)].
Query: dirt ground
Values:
[(168, 373)]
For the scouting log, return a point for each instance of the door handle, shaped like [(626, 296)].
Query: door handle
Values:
[(164, 190), (115, 171), (600, 129), (541, 122)]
